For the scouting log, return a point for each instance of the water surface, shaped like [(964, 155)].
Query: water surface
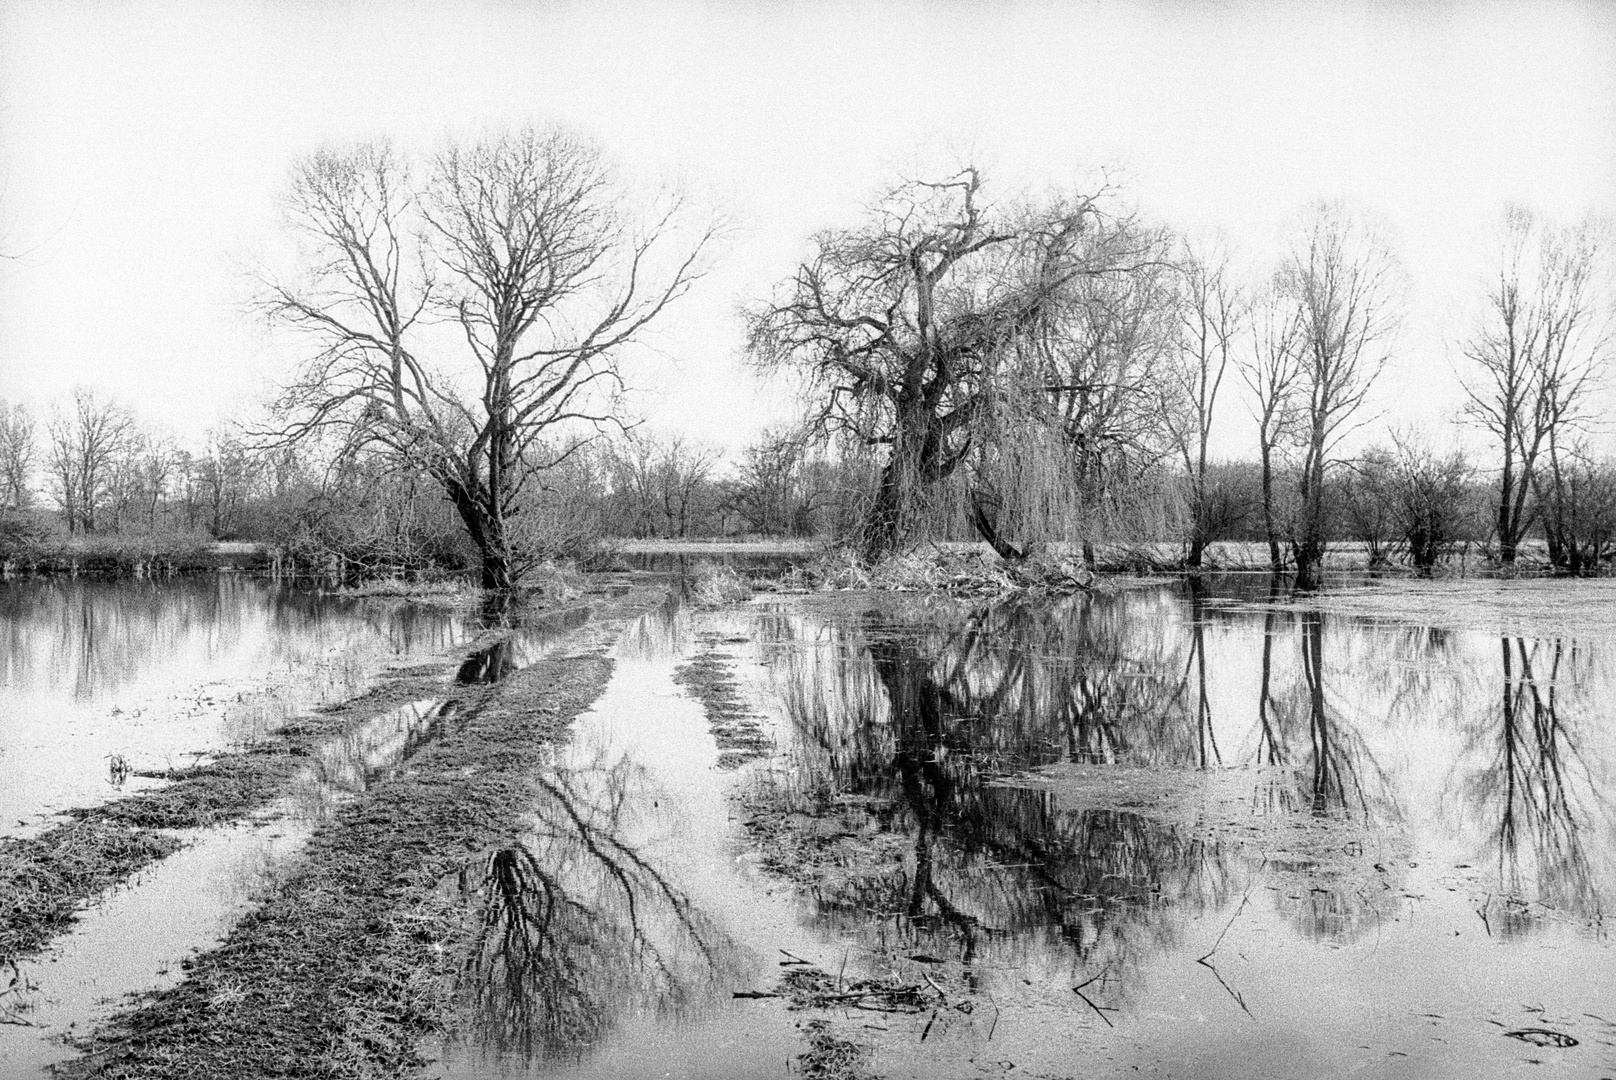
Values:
[(102, 679), (1183, 830)]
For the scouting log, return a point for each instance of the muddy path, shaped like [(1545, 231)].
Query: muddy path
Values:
[(332, 969)]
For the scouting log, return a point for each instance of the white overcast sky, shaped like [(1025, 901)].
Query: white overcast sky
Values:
[(142, 145)]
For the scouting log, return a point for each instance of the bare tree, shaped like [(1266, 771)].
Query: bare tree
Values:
[(633, 468), (125, 491), (1273, 375), (1210, 310), (765, 491), (18, 452), (1579, 521), (1341, 282), (85, 444), (684, 471), (1367, 498), (1429, 500), (159, 465), (221, 477), (1544, 332), (905, 326), (524, 244), (780, 489)]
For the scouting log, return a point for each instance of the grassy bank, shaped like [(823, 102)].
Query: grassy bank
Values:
[(343, 968)]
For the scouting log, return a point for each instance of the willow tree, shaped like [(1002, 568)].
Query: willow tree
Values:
[(912, 330), (524, 245), (1103, 356)]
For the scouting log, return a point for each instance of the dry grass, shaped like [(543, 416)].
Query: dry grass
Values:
[(714, 584), (958, 571)]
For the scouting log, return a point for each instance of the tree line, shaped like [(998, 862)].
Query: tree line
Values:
[(93, 472), (1060, 363), (1032, 371)]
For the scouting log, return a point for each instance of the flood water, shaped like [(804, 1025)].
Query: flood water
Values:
[(1181, 830), (103, 679), (100, 680)]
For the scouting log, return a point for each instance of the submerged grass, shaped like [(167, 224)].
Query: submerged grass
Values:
[(735, 727), (346, 966), (831, 1057), (204, 795), (44, 880)]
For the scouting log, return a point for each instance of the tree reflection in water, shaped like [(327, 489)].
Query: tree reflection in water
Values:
[(577, 924), (914, 709), (910, 713), (1535, 787), (96, 637)]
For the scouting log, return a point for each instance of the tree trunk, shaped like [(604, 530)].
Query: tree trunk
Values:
[(1192, 559), (1308, 547), (989, 531), (886, 518), (1508, 533), (488, 533), (1276, 562), (497, 572), (897, 501)]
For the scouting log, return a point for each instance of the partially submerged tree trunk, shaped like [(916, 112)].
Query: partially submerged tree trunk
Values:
[(1308, 543)]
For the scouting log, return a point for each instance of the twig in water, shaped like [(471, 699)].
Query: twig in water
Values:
[(1215, 973), (995, 1025), (929, 1023), (1243, 901), (1238, 1000), (1097, 1010), (791, 958)]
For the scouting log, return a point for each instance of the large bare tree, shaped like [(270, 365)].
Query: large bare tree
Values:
[(907, 327), (1543, 335), (1342, 284), (525, 245)]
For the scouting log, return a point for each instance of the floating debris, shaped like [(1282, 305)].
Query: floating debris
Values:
[(1543, 1037)]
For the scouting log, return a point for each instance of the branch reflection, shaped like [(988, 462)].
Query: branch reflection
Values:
[(577, 925)]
